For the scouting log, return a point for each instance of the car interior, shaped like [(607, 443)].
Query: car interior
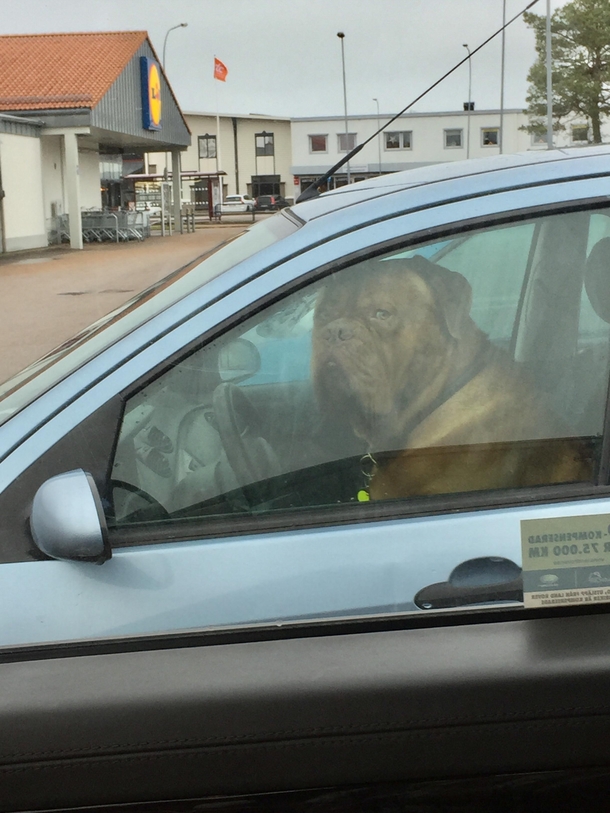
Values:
[(235, 427)]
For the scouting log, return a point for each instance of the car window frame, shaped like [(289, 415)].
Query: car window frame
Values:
[(292, 274), (329, 515)]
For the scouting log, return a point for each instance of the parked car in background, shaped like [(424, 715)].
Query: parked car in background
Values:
[(153, 207), (235, 203), (270, 203)]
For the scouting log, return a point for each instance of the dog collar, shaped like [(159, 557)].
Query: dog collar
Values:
[(368, 463), (450, 389)]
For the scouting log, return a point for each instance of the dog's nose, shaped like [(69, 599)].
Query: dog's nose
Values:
[(339, 331)]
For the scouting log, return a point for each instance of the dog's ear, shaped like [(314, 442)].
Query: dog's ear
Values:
[(452, 292)]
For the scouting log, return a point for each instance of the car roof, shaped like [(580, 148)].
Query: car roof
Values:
[(460, 179)]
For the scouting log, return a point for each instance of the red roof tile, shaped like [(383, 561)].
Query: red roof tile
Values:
[(46, 71)]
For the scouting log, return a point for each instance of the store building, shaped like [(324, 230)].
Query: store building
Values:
[(78, 112)]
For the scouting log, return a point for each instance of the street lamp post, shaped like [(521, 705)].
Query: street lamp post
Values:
[(501, 136), (175, 174), (469, 99), (549, 79), (341, 36), (173, 28), (378, 138)]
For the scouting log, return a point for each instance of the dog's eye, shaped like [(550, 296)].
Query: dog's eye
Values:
[(381, 314)]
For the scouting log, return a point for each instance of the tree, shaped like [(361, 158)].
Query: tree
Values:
[(580, 66)]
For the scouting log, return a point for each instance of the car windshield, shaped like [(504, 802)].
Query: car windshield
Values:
[(26, 386)]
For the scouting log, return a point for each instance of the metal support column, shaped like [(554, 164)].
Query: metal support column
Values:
[(177, 191), (73, 188)]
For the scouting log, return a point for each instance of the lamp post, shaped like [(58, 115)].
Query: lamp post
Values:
[(167, 33), (469, 99), (549, 79), (501, 137), (173, 28), (341, 36), (378, 137)]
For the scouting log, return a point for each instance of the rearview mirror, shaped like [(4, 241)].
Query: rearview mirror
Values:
[(67, 519), (238, 360)]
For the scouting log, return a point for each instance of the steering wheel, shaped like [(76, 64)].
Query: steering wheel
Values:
[(240, 428), (154, 511)]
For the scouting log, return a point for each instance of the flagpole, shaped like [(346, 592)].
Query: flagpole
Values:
[(218, 159)]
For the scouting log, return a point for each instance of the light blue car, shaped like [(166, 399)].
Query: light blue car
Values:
[(206, 457)]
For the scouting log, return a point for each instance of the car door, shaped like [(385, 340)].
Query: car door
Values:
[(232, 498)]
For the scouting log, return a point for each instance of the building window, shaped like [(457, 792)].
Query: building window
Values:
[(264, 143), (539, 139), (490, 136), (207, 146), (346, 141), (580, 133), (398, 141), (318, 143), (453, 138), (265, 185)]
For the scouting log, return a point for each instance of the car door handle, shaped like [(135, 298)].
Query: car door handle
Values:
[(484, 580)]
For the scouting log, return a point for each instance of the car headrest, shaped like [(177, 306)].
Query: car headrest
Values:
[(597, 278)]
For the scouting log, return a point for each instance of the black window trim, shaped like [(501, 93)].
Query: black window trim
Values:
[(302, 519), (268, 142), (208, 138)]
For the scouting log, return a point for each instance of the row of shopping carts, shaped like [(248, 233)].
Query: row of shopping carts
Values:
[(100, 226)]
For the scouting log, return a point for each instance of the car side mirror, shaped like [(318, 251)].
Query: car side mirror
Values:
[(67, 519)]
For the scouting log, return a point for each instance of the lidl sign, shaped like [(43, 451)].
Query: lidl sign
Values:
[(151, 93)]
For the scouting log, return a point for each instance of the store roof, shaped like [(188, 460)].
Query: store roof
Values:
[(53, 71)]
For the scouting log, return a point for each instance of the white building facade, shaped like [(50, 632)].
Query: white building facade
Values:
[(22, 223), (413, 140), (251, 153)]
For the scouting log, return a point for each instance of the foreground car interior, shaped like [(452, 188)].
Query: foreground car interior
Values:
[(515, 710)]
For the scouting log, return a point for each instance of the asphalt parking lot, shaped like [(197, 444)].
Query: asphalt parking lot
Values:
[(49, 295)]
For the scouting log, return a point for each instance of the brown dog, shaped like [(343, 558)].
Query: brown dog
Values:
[(396, 354)]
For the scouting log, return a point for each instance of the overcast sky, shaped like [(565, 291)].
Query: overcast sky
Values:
[(284, 56)]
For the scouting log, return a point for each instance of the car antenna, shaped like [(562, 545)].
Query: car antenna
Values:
[(313, 190)]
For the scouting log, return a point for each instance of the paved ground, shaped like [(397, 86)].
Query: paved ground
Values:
[(49, 295)]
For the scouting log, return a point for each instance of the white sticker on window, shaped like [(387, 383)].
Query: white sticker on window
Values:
[(566, 560)]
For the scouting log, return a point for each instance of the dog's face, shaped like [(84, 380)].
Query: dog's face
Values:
[(383, 332)]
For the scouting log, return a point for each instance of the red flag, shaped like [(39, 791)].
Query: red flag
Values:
[(220, 70)]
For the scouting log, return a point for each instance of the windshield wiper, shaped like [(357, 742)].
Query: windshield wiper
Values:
[(319, 185)]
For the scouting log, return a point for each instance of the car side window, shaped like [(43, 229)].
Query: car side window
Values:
[(484, 260), (456, 366)]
